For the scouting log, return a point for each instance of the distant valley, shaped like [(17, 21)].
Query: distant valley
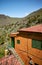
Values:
[(9, 24)]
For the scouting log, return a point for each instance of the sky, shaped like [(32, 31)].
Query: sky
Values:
[(19, 8)]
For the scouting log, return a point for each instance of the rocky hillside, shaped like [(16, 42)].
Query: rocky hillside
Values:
[(31, 19), (9, 24), (34, 18), (6, 20)]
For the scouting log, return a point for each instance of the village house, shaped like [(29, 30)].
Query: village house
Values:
[(28, 44)]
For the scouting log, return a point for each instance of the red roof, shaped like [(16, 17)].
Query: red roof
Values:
[(36, 28), (11, 60)]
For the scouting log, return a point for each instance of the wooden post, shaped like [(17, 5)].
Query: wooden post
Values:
[(6, 52)]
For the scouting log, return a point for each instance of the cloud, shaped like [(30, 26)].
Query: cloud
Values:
[(26, 14)]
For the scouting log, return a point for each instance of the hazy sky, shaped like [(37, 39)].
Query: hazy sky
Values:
[(19, 8)]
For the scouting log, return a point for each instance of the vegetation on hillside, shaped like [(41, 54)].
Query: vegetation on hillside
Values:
[(9, 24)]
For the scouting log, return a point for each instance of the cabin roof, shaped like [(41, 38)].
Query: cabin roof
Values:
[(36, 28), (14, 34)]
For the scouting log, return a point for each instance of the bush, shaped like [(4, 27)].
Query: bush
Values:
[(2, 49)]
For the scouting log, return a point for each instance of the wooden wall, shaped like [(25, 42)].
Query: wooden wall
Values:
[(24, 49)]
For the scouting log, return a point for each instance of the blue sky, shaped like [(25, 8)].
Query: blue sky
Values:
[(19, 8)]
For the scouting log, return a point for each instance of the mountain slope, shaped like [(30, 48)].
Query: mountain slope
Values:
[(33, 17), (5, 20), (9, 24), (35, 13)]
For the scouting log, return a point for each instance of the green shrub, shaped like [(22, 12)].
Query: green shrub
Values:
[(2, 49)]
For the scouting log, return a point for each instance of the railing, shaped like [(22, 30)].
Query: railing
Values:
[(15, 54)]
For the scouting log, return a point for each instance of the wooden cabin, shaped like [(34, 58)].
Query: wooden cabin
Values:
[(28, 44)]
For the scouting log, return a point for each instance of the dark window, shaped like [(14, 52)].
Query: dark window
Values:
[(18, 41), (37, 44)]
